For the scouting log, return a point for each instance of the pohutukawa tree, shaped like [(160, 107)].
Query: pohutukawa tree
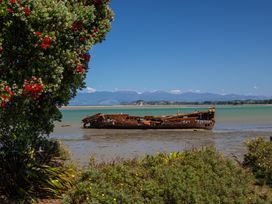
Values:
[(44, 59), (44, 56)]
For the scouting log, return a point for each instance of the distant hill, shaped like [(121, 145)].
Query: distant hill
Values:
[(107, 98)]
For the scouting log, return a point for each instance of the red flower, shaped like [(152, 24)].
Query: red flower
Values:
[(86, 57), (3, 104), (27, 12), (33, 88), (8, 90), (80, 69), (82, 38), (46, 43), (38, 33), (0, 1), (5, 98), (10, 10), (44, 46), (13, 1), (47, 40)]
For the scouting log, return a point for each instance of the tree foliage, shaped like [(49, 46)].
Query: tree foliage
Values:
[(44, 56), (44, 59)]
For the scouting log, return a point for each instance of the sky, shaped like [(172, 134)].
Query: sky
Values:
[(217, 46)]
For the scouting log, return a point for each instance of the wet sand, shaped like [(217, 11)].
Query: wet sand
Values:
[(234, 125), (111, 144)]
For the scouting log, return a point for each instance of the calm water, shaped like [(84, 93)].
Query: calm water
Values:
[(234, 125)]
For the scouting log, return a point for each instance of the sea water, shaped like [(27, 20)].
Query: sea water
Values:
[(234, 125)]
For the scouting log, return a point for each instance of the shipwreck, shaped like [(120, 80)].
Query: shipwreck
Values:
[(195, 120)]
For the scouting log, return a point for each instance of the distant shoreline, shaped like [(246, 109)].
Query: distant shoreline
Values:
[(161, 106)]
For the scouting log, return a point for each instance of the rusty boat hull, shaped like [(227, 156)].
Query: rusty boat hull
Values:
[(195, 120)]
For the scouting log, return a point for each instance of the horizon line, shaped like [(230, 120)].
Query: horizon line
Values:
[(88, 91)]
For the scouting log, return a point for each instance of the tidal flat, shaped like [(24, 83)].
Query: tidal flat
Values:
[(234, 126)]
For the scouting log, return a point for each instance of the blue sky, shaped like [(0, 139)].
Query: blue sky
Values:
[(219, 46)]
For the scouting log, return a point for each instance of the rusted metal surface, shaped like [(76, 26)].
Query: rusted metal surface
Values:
[(195, 120)]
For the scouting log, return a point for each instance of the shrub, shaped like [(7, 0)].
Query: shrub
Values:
[(196, 176), (259, 160), (34, 173)]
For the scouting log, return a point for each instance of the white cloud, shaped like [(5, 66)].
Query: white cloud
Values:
[(255, 87), (153, 91), (194, 90), (88, 90), (197, 91), (175, 91)]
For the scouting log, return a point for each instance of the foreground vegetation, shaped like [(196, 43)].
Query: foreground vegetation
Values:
[(259, 160), (195, 176), (44, 57), (29, 175)]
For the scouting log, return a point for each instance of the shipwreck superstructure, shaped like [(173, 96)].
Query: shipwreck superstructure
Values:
[(195, 120)]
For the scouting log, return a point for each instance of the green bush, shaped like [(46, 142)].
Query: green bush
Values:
[(33, 169), (196, 176), (259, 160)]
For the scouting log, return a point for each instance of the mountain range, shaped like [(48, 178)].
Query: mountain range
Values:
[(107, 98)]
